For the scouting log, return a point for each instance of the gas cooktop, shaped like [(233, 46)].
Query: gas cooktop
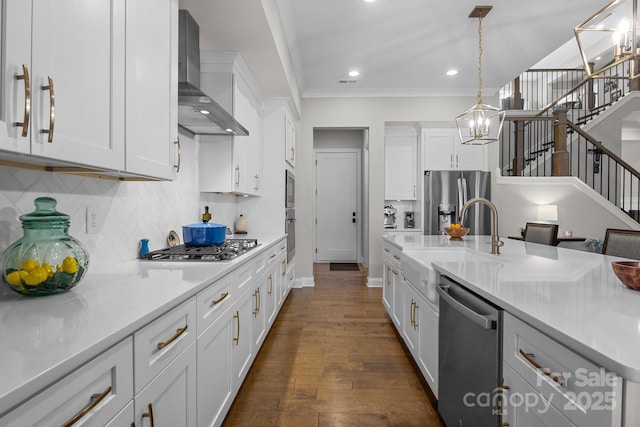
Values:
[(226, 251)]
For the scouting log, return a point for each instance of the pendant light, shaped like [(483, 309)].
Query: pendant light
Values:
[(482, 123)]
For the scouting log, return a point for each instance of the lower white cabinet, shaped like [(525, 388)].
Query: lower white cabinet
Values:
[(123, 418), (215, 382), (544, 370), (91, 395), (428, 343), (170, 398), (411, 318), (259, 321), (242, 348)]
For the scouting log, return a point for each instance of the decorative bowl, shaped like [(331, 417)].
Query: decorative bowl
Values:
[(456, 233), (628, 273)]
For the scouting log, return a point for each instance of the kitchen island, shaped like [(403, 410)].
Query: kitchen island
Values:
[(44, 340), (570, 296)]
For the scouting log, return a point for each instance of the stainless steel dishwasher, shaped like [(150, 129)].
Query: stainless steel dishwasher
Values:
[(470, 357)]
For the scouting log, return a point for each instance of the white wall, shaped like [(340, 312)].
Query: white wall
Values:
[(580, 209), (129, 211), (369, 113)]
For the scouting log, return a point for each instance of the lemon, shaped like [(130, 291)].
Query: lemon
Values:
[(69, 265), (30, 264), (36, 276), (13, 278)]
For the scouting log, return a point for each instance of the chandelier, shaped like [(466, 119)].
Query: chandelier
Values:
[(608, 38), (482, 123)]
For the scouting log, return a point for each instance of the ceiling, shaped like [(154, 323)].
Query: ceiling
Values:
[(303, 48)]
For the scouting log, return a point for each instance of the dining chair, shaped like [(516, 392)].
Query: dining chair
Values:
[(622, 243), (546, 234)]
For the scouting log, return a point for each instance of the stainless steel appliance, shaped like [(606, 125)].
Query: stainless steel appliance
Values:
[(290, 229), (409, 220), (290, 214), (445, 192), (289, 186), (198, 112), (469, 367), (390, 216), (230, 249)]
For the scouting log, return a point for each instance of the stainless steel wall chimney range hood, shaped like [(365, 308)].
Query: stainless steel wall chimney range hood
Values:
[(197, 112)]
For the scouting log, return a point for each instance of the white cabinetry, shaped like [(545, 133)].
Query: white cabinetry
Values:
[(92, 395), (392, 291), (74, 54), (580, 393), (232, 164), (442, 150), (400, 166), (152, 88), (290, 140)]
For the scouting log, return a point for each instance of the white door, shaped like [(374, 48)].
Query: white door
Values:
[(337, 213)]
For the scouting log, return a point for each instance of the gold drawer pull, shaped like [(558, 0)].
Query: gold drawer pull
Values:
[(272, 256), (282, 248), (27, 100), (219, 300), (396, 257), (95, 400), (237, 317), (558, 379), (177, 166), (149, 415), (179, 332), (52, 109), (386, 250), (270, 285)]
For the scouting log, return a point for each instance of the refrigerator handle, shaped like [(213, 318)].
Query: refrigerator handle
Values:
[(462, 193)]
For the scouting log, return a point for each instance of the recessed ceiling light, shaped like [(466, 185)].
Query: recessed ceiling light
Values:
[(369, 1), (452, 72), (355, 73), (598, 58)]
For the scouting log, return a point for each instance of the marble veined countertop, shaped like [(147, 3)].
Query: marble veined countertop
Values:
[(572, 296), (43, 338)]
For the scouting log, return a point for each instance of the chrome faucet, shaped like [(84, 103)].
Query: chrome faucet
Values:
[(496, 243)]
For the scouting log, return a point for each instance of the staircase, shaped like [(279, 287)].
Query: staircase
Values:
[(577, 134)]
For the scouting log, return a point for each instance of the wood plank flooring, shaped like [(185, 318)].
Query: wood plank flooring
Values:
[(333, 359)]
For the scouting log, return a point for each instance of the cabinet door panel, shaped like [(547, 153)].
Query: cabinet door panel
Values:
[(171, 394), (437, 149), (428, 344), (215, 385), (152, 67), (242, 348), (81, 47), (17, 51), (401, 163)]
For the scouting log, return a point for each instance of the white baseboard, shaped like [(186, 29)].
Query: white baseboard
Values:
[(304, 282), (374, 282)]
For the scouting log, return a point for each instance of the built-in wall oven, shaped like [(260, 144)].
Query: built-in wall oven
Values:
[(290, 215)]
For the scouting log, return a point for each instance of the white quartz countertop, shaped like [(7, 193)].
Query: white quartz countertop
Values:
[(572, 296), (43, 338)]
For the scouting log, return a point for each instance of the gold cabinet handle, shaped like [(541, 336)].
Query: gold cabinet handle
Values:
[(451, 161), (394, 272), (259, 300), (388, 275), (272, 256), (257, 182), (284, 267), (412, 313), (237, 317), (219, 300), (293, 153), (529, 357), (282, 248), (177, 166), (149, 415), (237, 175), (179, 332), (93, 402), (270, 285), (396, 257), (52, 109), (256, 294), (414, 191), (457, 162), (27, 100), (386, 250)]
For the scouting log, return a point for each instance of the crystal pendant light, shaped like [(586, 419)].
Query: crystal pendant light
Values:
[(482, 123)]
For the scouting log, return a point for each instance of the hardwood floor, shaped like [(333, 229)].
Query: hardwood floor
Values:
[(333, 359)]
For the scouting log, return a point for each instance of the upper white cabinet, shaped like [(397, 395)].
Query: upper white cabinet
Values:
[(290, 140), (442, 150), (63, 81), (232, 164), (152, 88), (400, 164)]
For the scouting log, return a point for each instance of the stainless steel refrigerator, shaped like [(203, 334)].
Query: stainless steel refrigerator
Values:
[(445, 192)]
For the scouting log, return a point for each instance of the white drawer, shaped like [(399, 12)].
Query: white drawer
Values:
[(161, 341), (244, 275), (212, 301), (92, 395), (392, 252), (583, 392)]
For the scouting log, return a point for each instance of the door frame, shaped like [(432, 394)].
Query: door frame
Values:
[(359, 230)]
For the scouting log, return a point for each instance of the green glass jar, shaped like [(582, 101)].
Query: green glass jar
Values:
[(46, 260)]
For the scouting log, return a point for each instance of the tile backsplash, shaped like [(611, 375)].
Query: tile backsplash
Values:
[(128, 211)]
